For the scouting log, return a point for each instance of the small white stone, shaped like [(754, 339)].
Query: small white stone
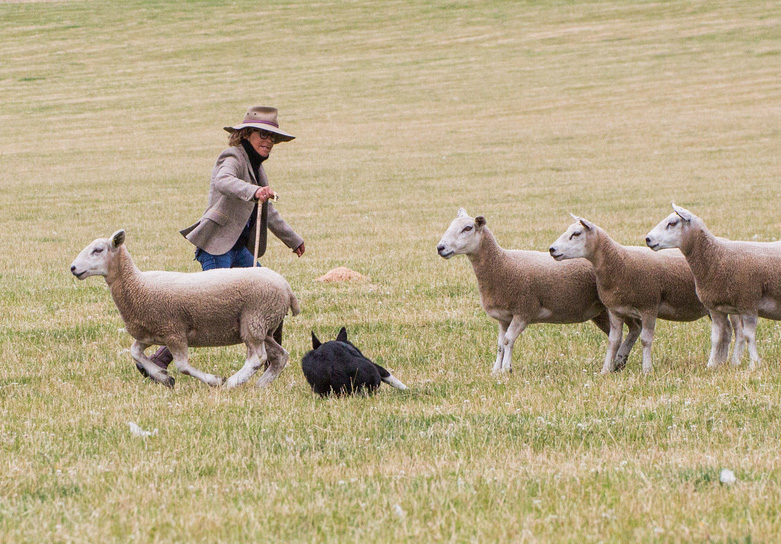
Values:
[(135, 430), (727, 477)]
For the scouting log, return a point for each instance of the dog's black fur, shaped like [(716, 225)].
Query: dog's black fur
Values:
[(338, 367)]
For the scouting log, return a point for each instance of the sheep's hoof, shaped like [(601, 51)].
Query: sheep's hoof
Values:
[(620, 364), (169, 381)]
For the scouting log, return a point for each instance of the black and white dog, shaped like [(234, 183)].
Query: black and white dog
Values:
[(339, 367)]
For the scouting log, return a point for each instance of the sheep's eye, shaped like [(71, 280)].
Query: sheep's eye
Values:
[(672, 224), (574, 235), (97, 250), (467, 228)]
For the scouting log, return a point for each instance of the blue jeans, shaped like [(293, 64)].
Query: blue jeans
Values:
[(235, 258)]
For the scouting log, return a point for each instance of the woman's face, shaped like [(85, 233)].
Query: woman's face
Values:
[(262, 141)]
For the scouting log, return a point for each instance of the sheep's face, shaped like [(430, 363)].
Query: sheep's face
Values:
[(667, 234), (574, 243), (95, 258), (462, 236)]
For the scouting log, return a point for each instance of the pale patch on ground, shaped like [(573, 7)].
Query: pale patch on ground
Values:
[(341, 273)]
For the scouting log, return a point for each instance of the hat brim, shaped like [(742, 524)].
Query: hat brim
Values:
[(282, 135)]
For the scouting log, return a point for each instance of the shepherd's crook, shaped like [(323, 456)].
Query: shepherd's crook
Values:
[(272, 198)]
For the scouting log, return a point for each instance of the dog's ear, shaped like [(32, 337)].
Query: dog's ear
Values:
[(342, 336), (315, 342)]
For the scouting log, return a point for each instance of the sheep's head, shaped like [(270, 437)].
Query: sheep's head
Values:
[(95, 258), (462, 236), (672, 230), (575, 242)]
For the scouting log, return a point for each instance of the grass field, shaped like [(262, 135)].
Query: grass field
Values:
[(112, 116)]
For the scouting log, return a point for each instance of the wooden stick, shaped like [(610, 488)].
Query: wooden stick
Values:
[(272, 198), (257, 235)]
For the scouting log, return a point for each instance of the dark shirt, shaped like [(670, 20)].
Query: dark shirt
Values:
[(255, 161)]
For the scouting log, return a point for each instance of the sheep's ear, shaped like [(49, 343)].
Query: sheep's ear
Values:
[(462, 212), (587, 224), (315, 342), (118, 238), (342, 336), (683, 213), (480, 222)]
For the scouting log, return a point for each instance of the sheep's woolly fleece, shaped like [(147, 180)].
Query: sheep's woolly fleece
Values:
[(341, 273)]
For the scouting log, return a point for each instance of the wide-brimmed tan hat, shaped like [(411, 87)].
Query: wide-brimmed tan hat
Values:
[(262, 118)]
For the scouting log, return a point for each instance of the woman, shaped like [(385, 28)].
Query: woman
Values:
[(224, 236)]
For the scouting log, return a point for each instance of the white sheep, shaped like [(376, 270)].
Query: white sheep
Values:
[(214, 308), (518, 288), (633, 283), (732, 278)]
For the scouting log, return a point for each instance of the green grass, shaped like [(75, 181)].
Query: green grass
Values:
[(112, 117)]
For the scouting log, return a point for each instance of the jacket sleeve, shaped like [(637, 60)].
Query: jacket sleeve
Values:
[(227, 179), (282, 230)]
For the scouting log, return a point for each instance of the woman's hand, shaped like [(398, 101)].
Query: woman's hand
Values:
[(300, 249), (263, 194)]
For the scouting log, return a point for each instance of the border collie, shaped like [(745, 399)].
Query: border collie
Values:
[(340, 368)]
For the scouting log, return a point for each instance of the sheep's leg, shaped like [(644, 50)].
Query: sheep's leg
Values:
[(750, 333), (153, 371), (500, 350), (740, 340), (183, 365), (276, 352), (647, 339), (603, 322), (613, 342), (720, 335), (517, 326), (725, 339), (277, 361), (256, 358), (632, 335)]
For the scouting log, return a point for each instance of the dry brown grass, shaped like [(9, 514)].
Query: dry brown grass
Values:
[(340, 274), (112, 116)]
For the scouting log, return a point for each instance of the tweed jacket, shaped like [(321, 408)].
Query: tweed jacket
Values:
[(231, 203)]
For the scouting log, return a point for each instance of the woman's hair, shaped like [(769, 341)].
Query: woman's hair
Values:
[(237, 136)]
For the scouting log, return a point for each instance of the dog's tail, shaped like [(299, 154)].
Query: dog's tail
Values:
[(389, 378)]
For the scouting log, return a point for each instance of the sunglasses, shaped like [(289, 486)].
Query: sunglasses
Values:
[(266, 135)]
